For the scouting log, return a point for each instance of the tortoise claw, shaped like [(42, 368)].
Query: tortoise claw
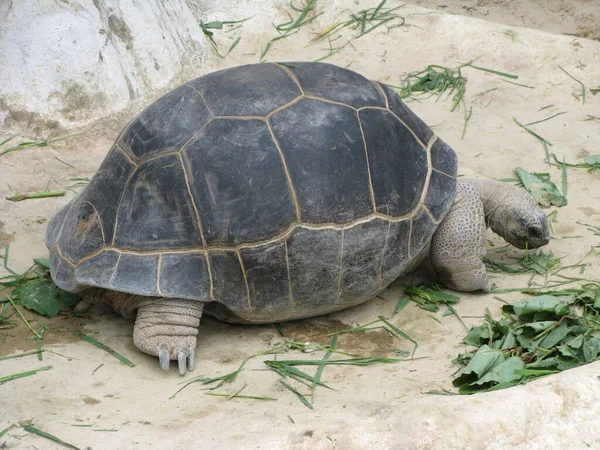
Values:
[(163, 356), (192, 360), (185, 359), (182, 359)]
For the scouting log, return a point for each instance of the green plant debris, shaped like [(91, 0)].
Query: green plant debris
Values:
[(287, 369), (35, 290), (541, 188), (590, 162), (402, 302), (495, 72), (363, 23), (539, 263), (106, 348), (429, 296), (254, 397), (292, 26), (519, 84), (207, 28), (533, 133), (387, 326), (230, 377), (582, 95), (436, 80), (595, 90), (16, 376), (20, 355), (535, 337), (544, 120), (24, 145), (34, 195), (34, 430)]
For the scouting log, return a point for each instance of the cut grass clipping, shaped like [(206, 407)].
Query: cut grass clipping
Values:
[(363, 23), (536, 337), (436, 80), (207, 28), (303, 381), (293, 25)]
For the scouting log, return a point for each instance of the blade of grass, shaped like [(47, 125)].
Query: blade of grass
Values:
[(33, 430), (298, 394), (106, 348), (519, 84), (582, 85), (23, 145), (495, 72), (33, 195), (20, 355), (320, 369), (533, 133), (547, 118), (401, 333), (254, 397), (16, 376), (18, 311)]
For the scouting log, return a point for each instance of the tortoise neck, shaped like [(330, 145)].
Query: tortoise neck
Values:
[(494, 199)]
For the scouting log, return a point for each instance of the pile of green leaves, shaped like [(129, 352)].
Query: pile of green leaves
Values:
[(539, 336)]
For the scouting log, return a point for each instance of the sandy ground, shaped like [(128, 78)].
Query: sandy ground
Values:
[(119, 407), (579, 18)]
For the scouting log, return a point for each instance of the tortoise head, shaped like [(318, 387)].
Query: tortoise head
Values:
[(519, 219)]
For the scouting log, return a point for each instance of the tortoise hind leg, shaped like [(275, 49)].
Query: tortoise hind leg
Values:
[(168, 328)]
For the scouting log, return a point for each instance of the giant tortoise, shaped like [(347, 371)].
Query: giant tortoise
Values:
[(270, 192)]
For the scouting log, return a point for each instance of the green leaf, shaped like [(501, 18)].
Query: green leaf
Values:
[(477, 336), (544, 192), (402, 302), (542, 303), (591, 348), (536, 327), (503, 372), (484, 360), (43, 262), (592, 160), (44, 297), (555, 336)]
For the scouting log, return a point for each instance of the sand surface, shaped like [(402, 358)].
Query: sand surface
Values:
[(385, 406)]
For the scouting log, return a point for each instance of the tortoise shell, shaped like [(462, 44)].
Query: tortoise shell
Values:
[(273, 191)]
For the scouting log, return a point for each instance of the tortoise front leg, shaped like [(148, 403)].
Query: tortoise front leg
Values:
[(458, 245), (168, 328)]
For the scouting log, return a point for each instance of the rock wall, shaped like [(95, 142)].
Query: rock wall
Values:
[(65, 63)]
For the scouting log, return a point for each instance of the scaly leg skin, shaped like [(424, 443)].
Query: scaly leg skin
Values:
[(168, 328), (458, 245)]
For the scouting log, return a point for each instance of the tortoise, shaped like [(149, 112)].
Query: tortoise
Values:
[(269, 192)]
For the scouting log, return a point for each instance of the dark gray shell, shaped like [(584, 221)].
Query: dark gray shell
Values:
[(276, 191)]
